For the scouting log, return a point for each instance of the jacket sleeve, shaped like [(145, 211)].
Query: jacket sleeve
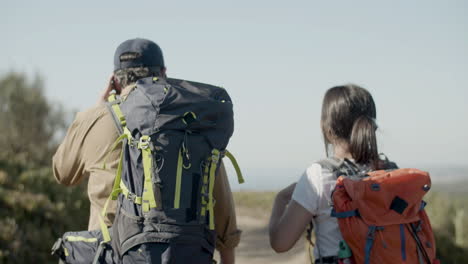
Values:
[(86, 146), (68, 163), (228, 235)]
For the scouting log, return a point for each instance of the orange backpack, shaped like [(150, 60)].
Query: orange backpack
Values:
[(382, 219)]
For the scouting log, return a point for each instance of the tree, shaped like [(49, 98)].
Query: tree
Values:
[(34, 209)]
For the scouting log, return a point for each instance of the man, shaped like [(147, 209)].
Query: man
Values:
[(90, 137)]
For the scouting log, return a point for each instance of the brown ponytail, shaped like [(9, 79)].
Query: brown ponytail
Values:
[(363, 141), (348, 115)]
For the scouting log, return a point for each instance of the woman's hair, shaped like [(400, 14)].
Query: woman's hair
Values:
[(348, 115)]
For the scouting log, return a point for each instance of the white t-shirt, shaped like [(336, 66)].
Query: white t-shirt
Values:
[(313, 192)]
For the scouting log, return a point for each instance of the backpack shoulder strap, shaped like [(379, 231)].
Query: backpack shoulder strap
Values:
[(386, 164), (114, 111), (332, 164), (341, 167)]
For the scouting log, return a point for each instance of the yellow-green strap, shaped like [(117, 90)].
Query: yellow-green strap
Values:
[(240, 178), (112, 196), (112, 148), (126, 134), (178, 183), (129, 195), (129, 134), (118, 177), (148, 193), (115, 188), (116, 108), (80, 238), (112, 97), (105, 231), (215, 154), (204, 190)]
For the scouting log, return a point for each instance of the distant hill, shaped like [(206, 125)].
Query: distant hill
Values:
[(451, 179), (452, 187), (448, 174)]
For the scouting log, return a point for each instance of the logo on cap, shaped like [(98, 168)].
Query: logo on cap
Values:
[(128, 56)]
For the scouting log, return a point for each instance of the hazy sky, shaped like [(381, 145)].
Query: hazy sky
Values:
[(276, 58)]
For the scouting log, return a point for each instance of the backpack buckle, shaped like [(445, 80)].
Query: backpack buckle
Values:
[(215, 155), (144, 142), (58, 249), (131, 196), (371, 232)]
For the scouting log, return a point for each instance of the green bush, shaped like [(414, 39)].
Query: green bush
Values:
[(34, 209), (450, 225)]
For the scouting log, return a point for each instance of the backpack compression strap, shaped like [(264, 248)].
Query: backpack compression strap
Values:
[(215, 155), (209, 174), (178, 183), (183, 152), (204, 191), (240, 178), (148, 200)]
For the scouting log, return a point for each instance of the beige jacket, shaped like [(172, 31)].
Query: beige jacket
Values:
[(81, 155)]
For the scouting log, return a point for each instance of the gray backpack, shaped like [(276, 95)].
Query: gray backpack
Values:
[(174, 134)]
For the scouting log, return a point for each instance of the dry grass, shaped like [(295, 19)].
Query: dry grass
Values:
[(253, 211), (448, 214)]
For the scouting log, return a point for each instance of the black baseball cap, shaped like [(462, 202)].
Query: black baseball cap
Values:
[(138, 52)]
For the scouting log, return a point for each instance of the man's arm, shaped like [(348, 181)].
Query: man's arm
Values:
[(227, 255), (68, 163), (228, 235)]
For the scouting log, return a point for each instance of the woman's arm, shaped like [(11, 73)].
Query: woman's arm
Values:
[(288, 221)]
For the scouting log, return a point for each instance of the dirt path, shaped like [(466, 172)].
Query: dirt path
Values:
[(255, 246)]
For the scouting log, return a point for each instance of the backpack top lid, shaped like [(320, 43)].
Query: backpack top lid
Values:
[(384, 198), (171, 104)]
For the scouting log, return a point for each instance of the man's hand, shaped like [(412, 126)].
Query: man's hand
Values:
[(113, 84)]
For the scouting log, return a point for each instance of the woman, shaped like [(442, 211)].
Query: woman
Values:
[(348, 127)]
